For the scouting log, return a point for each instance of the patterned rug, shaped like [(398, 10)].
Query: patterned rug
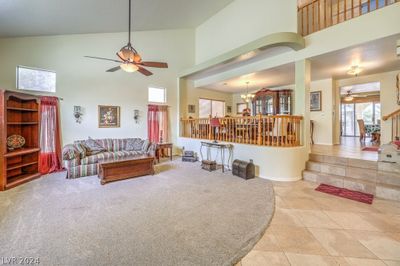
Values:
[(346, 193), (373, 148)]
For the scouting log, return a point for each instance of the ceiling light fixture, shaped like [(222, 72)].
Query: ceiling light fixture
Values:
[(348, 97), (248, 96), (354, 70)]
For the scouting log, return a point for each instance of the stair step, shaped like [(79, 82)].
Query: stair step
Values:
[(385, 191), (342, 161)]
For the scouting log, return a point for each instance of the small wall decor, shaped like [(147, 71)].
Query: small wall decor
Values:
[(191, 109), (109, 116), (398, 88), (229, 109), (78, 113), (315, 101), (136, 115), (240, 107)]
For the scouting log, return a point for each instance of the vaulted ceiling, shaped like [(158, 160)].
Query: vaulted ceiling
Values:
[(55, 17)]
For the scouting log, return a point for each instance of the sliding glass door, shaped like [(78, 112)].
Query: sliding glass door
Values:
[(370, 112)]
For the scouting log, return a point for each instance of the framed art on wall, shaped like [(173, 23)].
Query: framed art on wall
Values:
[(109, 116), (229, 109), (191, 108), (315, 101)]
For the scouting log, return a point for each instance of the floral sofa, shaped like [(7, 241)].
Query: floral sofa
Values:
[(83, 157)]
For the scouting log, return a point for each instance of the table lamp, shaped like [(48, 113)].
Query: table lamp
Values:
[(215, 123)]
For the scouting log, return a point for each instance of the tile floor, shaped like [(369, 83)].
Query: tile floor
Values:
[(314, 228)]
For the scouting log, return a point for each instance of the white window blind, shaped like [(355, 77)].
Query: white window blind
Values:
[(157, 95)]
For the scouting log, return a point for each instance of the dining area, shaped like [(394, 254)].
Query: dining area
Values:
[(261, 130)]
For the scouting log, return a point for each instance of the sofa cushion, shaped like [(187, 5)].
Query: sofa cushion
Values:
[(119, 144), (71, 163), (135, 144), (98, 157), (93, 147)]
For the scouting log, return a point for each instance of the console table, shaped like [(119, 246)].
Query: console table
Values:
[(221, 148)]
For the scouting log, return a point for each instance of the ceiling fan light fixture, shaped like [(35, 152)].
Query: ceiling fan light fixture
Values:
[(130, 68), (348, 98)]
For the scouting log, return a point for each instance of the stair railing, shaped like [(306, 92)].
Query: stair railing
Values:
[(394, 118)]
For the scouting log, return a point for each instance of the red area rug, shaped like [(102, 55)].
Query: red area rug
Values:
[(370, 148), (346, 193)]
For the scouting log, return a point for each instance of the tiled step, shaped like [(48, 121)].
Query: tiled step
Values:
[(341, 181), (378, 178)]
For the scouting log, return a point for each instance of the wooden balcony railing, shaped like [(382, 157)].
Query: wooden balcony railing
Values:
[(321, 14), (394, 119), (278, 130)]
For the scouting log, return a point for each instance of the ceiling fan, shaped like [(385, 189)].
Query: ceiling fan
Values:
[(350, 96), (129, 59)]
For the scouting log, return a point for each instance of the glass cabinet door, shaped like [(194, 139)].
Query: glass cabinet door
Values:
[(284, 104), (269, 105)]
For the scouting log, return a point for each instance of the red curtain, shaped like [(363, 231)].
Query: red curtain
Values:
[(153, 125), (50, 140)]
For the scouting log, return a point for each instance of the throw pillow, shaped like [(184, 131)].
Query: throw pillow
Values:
[(69, 152), (93, 147), (133, 144), (81, 150)]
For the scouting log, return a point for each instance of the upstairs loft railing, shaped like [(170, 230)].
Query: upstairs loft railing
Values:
[(321, 14), (270, 130), (394, 119)]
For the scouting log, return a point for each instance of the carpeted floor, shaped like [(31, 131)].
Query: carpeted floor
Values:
[(181, 216)]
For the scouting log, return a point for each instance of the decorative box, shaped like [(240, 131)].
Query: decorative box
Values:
[(209, 165), (189, 156), (243, 169)]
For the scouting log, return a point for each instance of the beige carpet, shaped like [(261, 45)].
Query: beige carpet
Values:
[(181, 216)]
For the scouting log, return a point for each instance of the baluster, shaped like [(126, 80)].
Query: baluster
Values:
[(259, 138)]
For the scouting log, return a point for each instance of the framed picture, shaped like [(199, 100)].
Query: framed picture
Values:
[(109, 116), (229, 109), (315, 101), (191, 108), (240, 107), (398, 88)]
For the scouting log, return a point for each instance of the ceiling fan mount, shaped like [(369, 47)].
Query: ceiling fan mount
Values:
[(129, 59)]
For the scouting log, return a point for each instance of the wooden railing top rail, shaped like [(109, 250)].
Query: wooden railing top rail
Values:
[(249, 117), (386, 117)]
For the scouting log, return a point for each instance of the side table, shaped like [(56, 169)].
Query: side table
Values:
[(161, 147)]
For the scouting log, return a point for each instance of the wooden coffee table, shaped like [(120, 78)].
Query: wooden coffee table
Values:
[(118, 169)]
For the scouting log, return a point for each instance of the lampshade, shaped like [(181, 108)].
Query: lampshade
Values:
[(215, 122), (129, 67)]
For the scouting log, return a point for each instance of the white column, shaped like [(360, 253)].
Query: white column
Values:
[(302, 98)]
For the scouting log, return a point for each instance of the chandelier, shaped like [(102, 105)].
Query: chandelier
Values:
[(248, 97)]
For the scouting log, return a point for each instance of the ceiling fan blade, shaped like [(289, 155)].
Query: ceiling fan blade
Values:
[(144, 71), (114, 69), (102, 58), (154, 64)]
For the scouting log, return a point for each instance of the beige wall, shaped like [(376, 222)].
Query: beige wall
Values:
[(83, 81), (192, 95), (241, 22), (387, 96)]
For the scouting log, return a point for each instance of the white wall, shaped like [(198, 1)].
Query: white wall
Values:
[(324, 119), (241, 22), (280, 164), (83, 81), (387, 97)]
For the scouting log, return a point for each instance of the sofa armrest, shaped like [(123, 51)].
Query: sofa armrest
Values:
[(151, 150), (70, 152)]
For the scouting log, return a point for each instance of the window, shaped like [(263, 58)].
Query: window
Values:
[(34, 79), (211, 107), (157, 95)]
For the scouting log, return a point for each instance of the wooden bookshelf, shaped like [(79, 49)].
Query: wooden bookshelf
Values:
[(19, 115)]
